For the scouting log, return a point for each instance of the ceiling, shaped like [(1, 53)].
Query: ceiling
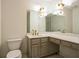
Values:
[(50, 5)]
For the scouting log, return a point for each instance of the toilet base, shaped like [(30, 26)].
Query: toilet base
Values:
[(14, 54)]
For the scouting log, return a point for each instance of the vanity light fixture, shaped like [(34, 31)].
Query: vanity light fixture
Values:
[(42, 12), (60, 5), (59, 12)]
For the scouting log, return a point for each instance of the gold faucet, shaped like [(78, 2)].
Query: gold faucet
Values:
[(34, 32)]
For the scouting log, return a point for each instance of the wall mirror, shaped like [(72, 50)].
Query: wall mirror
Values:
[(69, 22)]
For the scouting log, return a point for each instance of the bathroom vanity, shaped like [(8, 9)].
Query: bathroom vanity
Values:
[(48, 43), (40, 46)]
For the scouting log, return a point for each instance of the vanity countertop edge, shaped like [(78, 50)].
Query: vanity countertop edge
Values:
[(57, 35)]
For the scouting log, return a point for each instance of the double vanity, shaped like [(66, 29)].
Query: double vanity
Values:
[(47, 43)]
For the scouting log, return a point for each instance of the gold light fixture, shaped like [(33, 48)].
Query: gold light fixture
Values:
[(60, 5), (42, 11)]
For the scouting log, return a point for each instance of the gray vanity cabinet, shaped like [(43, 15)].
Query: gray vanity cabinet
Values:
[(37, 47), (68, 49), (48, 48), (40, 47)]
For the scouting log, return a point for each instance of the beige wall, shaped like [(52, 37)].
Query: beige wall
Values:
[(0, 24), (13, 21)]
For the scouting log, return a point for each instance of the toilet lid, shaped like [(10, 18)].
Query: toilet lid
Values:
[(14, 54)]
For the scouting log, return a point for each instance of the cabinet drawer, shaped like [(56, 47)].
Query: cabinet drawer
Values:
[(44, 39), (66, 43), (76, 46), (55, 40), (44, 44), (35, 41)]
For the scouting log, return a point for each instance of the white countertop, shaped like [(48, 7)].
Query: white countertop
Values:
[(62, 36)]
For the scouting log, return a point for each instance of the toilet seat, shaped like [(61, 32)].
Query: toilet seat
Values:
[(14, 54)]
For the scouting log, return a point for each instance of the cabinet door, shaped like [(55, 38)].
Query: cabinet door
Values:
[(36, 51), (44, 49), (68, 52)]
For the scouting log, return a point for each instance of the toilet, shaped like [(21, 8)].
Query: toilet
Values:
[(14, 45)]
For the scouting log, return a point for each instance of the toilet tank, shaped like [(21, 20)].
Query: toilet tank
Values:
[(14, 44)]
